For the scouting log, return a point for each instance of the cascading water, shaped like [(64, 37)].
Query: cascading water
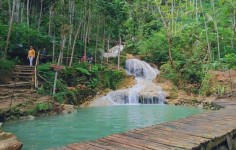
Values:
[(145, 91), (140, 69)]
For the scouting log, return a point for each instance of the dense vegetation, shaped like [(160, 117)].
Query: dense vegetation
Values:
[(185, 38), (84, 82)]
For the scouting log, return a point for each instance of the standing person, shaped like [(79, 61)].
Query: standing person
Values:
[(90, 60), (43, 55), (84, 58), (31, 55)]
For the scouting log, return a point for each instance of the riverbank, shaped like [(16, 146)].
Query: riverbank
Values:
[(37, 106)]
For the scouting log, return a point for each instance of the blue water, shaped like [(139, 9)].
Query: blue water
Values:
[(92, 123)]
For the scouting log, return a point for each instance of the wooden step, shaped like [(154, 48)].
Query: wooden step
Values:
[(24, 66), (24, 73), (24, 69), (17, 84), (7, 91), (22, 76), (2, 98)]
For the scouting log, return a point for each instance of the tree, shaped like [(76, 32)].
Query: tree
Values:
[(10, 27)]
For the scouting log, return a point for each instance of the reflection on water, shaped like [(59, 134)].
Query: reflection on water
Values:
[(92, 123)]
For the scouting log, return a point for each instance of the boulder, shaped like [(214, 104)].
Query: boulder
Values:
[(8, 141), (67, 109)]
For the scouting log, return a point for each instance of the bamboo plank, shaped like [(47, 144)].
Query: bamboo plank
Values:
[(144, 143), (161, 140), (104, 145), (117, 144), (181, 136), (83, 146), (207, 132)]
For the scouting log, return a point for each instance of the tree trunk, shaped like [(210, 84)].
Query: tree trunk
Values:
[(50, 20), (172, 13), (27, 12), (108, 47), (86, 35), (53, 48), (40, 14), (0, 5), (168, 34), (17, 13), (22, 13), (207, 37), (196, 10), (71, 16), (216, 28), (9, 30), (96, 47), (104, 36), (63, 41), (118, 65), (9, 8), (56, 74), (233, 24), (73, 47)]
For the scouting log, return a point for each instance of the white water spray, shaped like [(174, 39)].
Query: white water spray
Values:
[(144, 92)]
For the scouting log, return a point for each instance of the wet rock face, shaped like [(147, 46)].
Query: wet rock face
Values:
[(67, 109), (9, 141), (141, 69)]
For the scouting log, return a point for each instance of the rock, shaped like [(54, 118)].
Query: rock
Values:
[(67, 109), (9, 141), (29, 117), (222, 147), (234, 143), (200, 105)]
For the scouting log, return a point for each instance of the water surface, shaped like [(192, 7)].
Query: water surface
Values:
[(92, 123)]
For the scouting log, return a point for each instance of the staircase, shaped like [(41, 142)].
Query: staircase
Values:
[(20, 88)]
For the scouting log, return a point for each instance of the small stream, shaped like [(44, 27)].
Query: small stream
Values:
[(92, 123)]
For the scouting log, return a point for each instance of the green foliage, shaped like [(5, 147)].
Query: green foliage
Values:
[(43, 107), (230, 60), (111, 79), (6, 68), (170, 73), (82, 71), (206, 88), (60, 97), (154, 48), (81, 78), (221, 90), (46, 78)]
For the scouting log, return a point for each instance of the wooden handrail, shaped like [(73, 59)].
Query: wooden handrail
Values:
[(45, 79), (35, 70)]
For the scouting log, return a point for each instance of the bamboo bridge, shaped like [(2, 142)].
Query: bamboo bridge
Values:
[(209, 130)]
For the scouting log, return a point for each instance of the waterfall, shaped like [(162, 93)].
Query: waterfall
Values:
[(140, 69), (143, 92)]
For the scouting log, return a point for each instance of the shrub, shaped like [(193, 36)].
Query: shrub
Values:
[(43, 107), (6, 69), (205, 89)]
